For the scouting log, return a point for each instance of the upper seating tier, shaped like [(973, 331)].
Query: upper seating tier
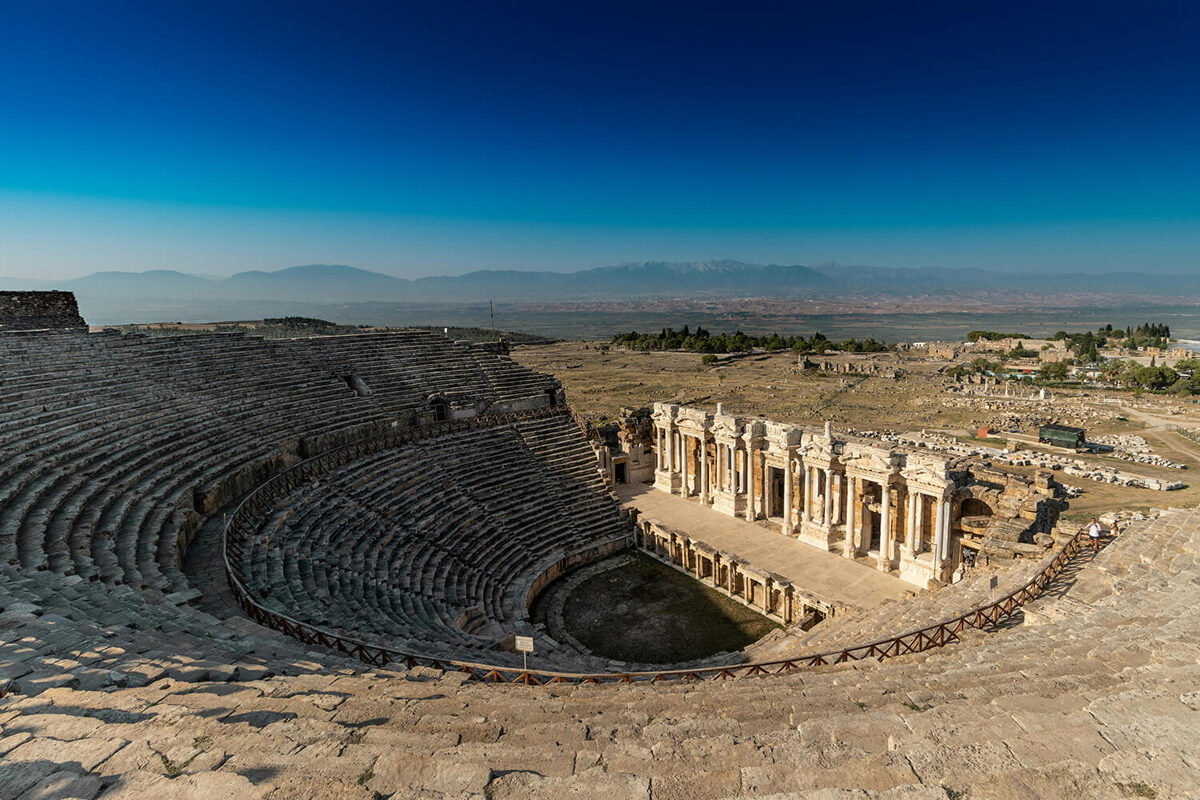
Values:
[(116, 448)]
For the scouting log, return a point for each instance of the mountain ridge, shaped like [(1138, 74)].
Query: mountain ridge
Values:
[(340, 283)]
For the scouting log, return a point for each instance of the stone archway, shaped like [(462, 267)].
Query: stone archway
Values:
[(974, 510), (975, 507)]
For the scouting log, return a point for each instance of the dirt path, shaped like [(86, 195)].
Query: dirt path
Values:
[(1171, 445)]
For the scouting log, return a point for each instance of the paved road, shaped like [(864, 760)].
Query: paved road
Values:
[(825, 574)]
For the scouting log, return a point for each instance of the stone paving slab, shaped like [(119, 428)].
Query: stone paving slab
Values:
[(827, 574)]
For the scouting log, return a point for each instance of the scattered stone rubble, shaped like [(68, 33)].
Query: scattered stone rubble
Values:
[(1029, 458), (1126, 518), (1025, 413), (1082, 469), (1079, 469), (1128, 447)]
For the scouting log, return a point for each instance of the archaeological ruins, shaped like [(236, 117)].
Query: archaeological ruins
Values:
[(248, 568), (907, 512)]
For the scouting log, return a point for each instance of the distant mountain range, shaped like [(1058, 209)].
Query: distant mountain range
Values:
[(113, 295), (334, 283)]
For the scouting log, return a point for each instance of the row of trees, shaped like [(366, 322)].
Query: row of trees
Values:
[(1148, 334), (994, 336), (703, 341), (976, 366)]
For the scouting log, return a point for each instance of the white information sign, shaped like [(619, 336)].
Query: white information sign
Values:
[(524, 645)]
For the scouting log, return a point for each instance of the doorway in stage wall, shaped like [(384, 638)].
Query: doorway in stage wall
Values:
[(619, 474), (874, 520), (774, 492)]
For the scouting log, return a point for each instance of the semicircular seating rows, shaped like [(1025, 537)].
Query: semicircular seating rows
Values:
[(432, 547), (115, 449)]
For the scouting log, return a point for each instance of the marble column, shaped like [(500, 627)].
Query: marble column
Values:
[(937, 532), (719, 464), (806, 511), (885, 529), (751, 495), (838, 483), (704, 477), (764, 486), (787, 497), (850, 550), (683, 465), (912, 530), (827, 514), (946, 527)]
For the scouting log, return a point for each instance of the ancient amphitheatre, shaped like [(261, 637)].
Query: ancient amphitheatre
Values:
[(240, 567)]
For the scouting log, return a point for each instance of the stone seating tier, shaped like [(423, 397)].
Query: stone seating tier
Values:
[(409, 544), (114, 448), (1094, 694)]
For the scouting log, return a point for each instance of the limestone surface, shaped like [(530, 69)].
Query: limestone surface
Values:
[(1093, 694)]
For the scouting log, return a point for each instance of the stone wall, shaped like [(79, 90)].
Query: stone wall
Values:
[(24, 311), (850, 367), (624, 450), (771, 595), (947, 351)]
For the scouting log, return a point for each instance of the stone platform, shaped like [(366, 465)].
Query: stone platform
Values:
[(842, 582)]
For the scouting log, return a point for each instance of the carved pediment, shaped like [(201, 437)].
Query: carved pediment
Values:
[(820, 450), (692, 420), (754, 430), (927, 472), (864, 459), (783, 435), (726, 426), (664, 413)]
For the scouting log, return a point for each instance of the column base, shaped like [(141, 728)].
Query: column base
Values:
[(667, 482), (917, 570), (733, 505), (818, 535)]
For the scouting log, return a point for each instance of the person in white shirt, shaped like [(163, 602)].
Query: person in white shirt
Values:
[(1093, 531)]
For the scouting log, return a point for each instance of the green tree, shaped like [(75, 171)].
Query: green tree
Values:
[(1054, 371)]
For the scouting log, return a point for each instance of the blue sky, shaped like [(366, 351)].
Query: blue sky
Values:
[(440, 138)]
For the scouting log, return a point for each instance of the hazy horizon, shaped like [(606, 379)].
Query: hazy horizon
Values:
[(411, 275), (417, 140)]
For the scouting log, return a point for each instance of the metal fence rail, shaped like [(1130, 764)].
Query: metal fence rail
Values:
[(240, 529)]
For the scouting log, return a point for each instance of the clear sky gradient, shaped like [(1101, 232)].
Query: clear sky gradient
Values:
[(431, 138)]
